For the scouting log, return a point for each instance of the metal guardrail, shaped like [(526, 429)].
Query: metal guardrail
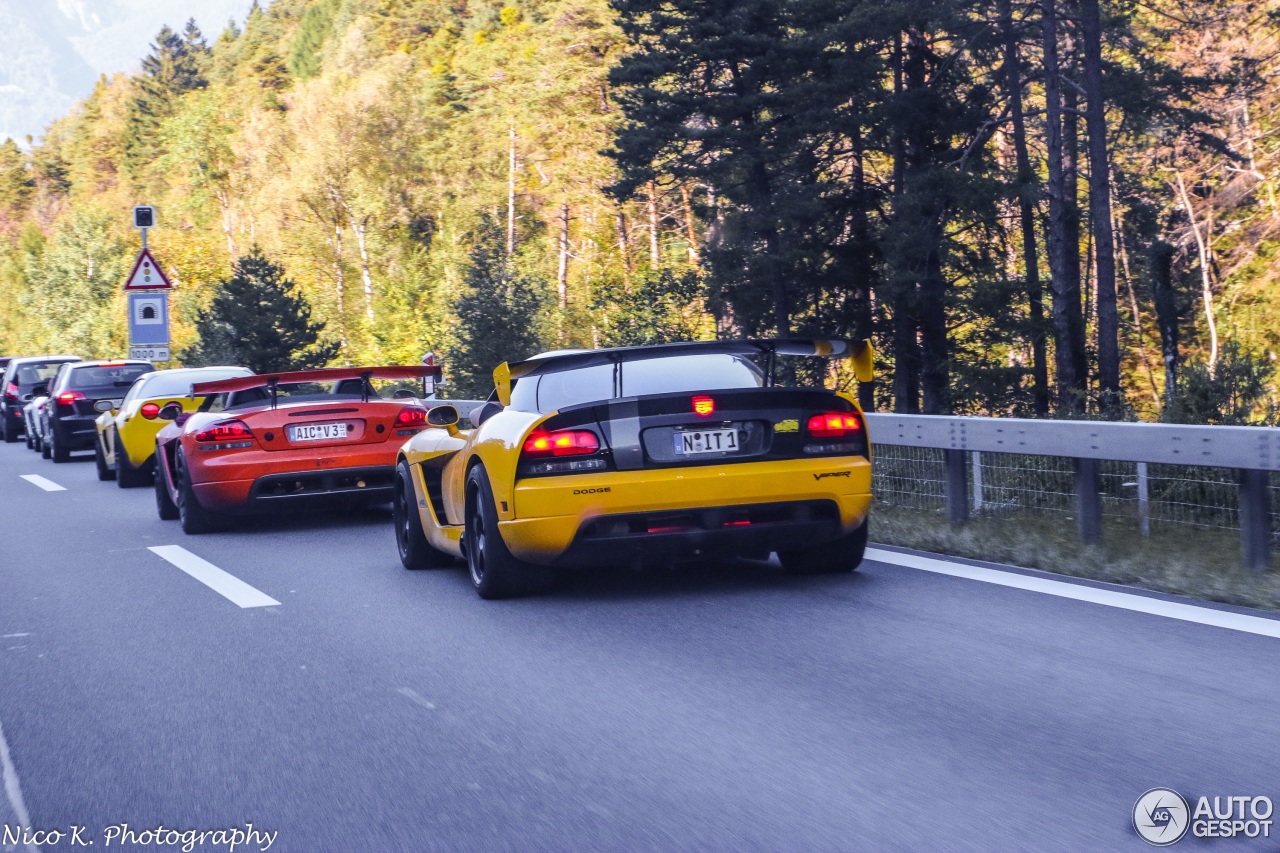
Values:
[(1254, 452)]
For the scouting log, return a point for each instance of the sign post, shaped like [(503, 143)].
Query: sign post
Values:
[(147, 288)]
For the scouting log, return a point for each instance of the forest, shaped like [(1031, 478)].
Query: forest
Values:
[(1035, 208)]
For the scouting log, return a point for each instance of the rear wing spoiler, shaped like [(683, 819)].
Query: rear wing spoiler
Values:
[(323, 374), (860, 352)]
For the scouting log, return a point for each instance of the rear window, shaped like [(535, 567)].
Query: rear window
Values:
[(675, 374), (35, 372), (179, 384), (120, 376)]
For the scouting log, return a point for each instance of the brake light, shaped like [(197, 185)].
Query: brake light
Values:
[(225, 431), (411, 416), (111, 364), (11, 393), (704, 406), (565, 442), (149, 411), (67, 398), (835, 425)]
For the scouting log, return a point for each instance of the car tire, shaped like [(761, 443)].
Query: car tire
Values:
[(43, 447), (194, 517), (10, 434), (57, 452), (494, 572), (128, 477), (27, 434), (411, 540), (105, 473), (839, 555), (165, 507)]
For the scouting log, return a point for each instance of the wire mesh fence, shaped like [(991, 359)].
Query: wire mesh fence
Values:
[(1008, 484), (909, 477)]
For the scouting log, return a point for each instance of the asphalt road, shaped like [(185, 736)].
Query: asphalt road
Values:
[(721, 707)]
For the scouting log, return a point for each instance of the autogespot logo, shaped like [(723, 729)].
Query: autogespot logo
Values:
[(1161, 816)]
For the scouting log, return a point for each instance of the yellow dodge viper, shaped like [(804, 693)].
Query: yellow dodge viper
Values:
[(634, 454), (126, 446)]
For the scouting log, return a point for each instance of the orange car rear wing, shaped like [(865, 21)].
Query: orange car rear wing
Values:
[(323, 374)]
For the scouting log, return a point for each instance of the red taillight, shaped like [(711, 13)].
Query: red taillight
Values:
[(835, 425), (225, 431), (11, 393), (565, 442), (149, 410), (704, 406), (67, 398), (411, 416)]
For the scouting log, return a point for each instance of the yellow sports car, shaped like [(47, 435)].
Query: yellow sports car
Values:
[(126, 446), (634, 454)]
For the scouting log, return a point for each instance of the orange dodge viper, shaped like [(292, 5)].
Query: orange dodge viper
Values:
[(263, 442)]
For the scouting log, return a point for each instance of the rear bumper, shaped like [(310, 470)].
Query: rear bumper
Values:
[(739, 508), (13, 420), (299, 490), (731, 530), (75, 432)]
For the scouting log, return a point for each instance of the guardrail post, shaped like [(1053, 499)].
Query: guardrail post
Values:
[(957, 488), (1088, 501), (1144, 500), (1255, 519), (977, 481)]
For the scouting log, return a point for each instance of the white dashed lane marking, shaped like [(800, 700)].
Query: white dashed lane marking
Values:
[(227, 585), (47, 485), (1108, 598), (13, 792)]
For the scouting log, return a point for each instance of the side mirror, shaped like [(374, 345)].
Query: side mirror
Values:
[(404, 394), (40, 391), (104, 405), (170, 412), (445, 416)]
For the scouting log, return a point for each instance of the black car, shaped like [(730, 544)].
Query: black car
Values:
[(22, 376), (70, 412)]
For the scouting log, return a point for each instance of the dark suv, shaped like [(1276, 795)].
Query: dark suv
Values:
[(70, 414), (22, 376)]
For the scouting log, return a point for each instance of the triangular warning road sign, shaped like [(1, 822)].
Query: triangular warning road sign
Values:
[(147, 274)]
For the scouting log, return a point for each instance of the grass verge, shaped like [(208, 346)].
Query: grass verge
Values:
[(1203, 563)]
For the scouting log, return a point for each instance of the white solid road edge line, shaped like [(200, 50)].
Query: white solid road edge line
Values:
[(13, 790), (227, 585), (47, 485), (1079, 592)]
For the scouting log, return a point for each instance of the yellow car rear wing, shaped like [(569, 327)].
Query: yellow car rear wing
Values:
[(861, 353)]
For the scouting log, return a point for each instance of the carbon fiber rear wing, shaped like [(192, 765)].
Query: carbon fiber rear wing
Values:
[(861, 352)]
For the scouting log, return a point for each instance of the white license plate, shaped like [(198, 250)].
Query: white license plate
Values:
[(694, 442), (317, 432)]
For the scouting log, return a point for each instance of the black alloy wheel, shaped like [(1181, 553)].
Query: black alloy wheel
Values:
[(495, 572), (411, 540), (105, 472), (194, 517), (57, 452), (128, 477), (165, 507)]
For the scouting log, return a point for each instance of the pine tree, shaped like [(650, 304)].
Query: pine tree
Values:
[(497, 314), (16, 183), (313, 32), (259, 320), (174, 66)]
